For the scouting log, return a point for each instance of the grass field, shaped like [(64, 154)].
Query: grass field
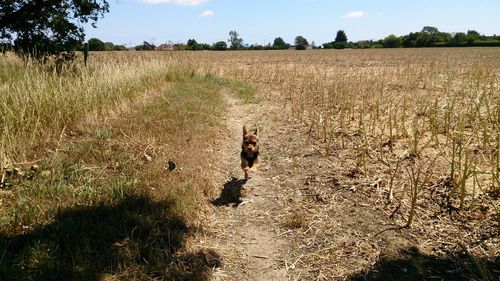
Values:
[(84, 153)]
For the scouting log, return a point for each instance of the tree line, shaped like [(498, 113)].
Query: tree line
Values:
[(429, 36), (235, 43), (42, 29)]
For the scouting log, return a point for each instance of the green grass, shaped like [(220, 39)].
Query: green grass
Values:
[(242, 90)]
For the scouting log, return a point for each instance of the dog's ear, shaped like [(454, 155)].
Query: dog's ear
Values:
[(256, 131), (245, 130)]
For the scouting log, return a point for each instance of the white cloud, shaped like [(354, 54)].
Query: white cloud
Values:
[(353, 15), (207, 13), (176, 2)]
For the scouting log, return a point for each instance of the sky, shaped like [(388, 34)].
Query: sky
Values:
[(131, 22)]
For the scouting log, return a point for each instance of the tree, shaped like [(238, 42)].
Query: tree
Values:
[(279, 43), (146, 46), (179, 47), (192, 44), (328, 45), (391, 41), (96, 45), (50, 27), (108, 46), (235, 40), (205, 46), (430, 29), (473, 32), (443, 37), (301, 43), (340, 45), (341, 37), (119, 48), (220, 46), (424, 39), (459, 37), (410, 40), (472, 36), (256, 47)]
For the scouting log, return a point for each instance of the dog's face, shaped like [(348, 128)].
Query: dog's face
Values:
[(250, 141)]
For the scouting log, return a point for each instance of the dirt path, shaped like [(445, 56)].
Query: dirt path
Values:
[(247, 233)]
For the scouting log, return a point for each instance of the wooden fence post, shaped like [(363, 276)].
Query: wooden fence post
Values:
[(85, 53)]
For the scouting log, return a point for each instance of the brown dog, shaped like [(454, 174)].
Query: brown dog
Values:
[(250, 151)]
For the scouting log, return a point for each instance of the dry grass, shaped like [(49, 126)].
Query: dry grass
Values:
[(413, 134), (437, 104), (101, 201), (36, 103)]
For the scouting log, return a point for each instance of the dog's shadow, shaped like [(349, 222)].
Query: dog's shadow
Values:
[(230, 194)]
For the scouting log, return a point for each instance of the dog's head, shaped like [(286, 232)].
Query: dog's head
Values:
[(250, 143)]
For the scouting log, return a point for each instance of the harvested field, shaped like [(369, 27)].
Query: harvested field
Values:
[(377, 165), (388, 158)]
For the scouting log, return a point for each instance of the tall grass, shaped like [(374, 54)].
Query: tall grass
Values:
[(104, 205), (37, 103)]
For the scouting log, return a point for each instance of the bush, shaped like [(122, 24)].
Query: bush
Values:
[(392, 41), (340, 45), (280, 44), (96, 45), (256, 47), (220, 46), (119, 48), (328, 45)]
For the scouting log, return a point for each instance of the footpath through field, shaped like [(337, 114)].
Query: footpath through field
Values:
[(247, 233), (305, 215), (291, 220)]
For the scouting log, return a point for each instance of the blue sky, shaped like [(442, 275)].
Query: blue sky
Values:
[(131, 22)]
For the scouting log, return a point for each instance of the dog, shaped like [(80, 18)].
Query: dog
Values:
[(249, 151)]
